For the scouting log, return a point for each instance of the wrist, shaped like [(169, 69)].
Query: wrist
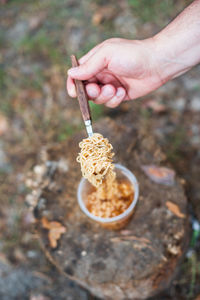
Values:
[(171, 58)]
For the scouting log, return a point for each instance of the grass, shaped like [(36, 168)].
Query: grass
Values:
[(35, 82), (6, 107), (193, 262), (3, 77), (5, 83), (146, 114), (151, 10), (41, 45), (17, 1), (97, 111), (175, 142), (2, 39), (66, 131)]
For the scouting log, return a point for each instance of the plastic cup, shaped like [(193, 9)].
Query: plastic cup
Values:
[(121, 220)]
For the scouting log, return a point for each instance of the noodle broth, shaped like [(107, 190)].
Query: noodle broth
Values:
[(116, 204), (108, 192), (104, 208)]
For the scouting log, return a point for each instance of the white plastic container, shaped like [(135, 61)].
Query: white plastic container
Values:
[(121, 220)]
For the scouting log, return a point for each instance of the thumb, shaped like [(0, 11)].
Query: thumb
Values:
[(95, 64)]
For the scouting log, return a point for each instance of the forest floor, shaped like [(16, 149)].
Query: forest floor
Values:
[(36, 39)]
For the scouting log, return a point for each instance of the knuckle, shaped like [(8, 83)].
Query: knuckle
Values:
[(113, 40)]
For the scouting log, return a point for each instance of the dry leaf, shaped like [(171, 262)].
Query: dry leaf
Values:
[(39, 297), (3, 2), (36, 21), (97, 18), (104, 13), (160, 175), (130, 238), (45, 223), (173, 249), (3, 124), (175, 209), (55, 231), (155, 106)]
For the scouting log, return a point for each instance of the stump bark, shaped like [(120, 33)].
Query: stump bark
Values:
[(137, 262)]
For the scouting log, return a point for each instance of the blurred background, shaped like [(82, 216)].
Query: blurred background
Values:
[(36, 40)]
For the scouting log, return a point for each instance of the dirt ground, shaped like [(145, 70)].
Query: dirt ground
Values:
[(36, 39)]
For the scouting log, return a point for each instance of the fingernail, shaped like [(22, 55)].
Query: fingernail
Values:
[(73, 91), (107, 92), (92, 93), (72, 71), (120, 92)]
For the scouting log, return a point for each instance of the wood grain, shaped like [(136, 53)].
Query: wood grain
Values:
[(81, 93)]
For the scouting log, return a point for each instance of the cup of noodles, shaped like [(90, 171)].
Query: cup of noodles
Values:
[(119, 209)]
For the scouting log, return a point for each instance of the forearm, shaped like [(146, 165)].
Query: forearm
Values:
[(177, 46)]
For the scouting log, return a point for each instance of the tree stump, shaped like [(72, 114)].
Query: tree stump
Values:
[(134, 263)]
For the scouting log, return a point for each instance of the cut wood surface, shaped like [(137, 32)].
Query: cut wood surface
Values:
[(137, 262)]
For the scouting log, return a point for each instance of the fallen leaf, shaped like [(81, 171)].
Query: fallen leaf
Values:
[(173, 249), (130, 238), (45, 223), (3, 124), (175, 209), (36, 21), (3, 259), (104, 13), (155, 106), (3, 2), (55, 231), (160, 175), (97, 18), (125, 232), (39, 297), (19, 255)]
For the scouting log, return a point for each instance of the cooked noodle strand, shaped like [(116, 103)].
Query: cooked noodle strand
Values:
[(110, 197), (96, 159)]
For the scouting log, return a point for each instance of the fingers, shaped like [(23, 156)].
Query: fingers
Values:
[(105, 93), (84, 58), (117, 99), (95, 64), (70, 86), (105, 77), (93, 90)]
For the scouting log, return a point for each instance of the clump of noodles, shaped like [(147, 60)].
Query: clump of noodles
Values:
[(110, 198), (96, 159)]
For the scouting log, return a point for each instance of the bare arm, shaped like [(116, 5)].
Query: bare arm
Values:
[(178, 44), (120, 69)]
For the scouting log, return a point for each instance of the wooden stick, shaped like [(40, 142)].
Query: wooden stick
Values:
[(81, 93)]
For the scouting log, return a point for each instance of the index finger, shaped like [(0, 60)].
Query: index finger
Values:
[(70, 86), (85, 57)]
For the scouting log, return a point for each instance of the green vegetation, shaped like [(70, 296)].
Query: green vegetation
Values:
[(2, 39), (175, 141), (96, 110), (193, 262), (40, 45), (66, 131), (151, 10), (2, 76), (35, 81), (146, 113)]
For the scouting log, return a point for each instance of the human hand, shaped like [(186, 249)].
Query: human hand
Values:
[(120, 69), (117, 70)]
